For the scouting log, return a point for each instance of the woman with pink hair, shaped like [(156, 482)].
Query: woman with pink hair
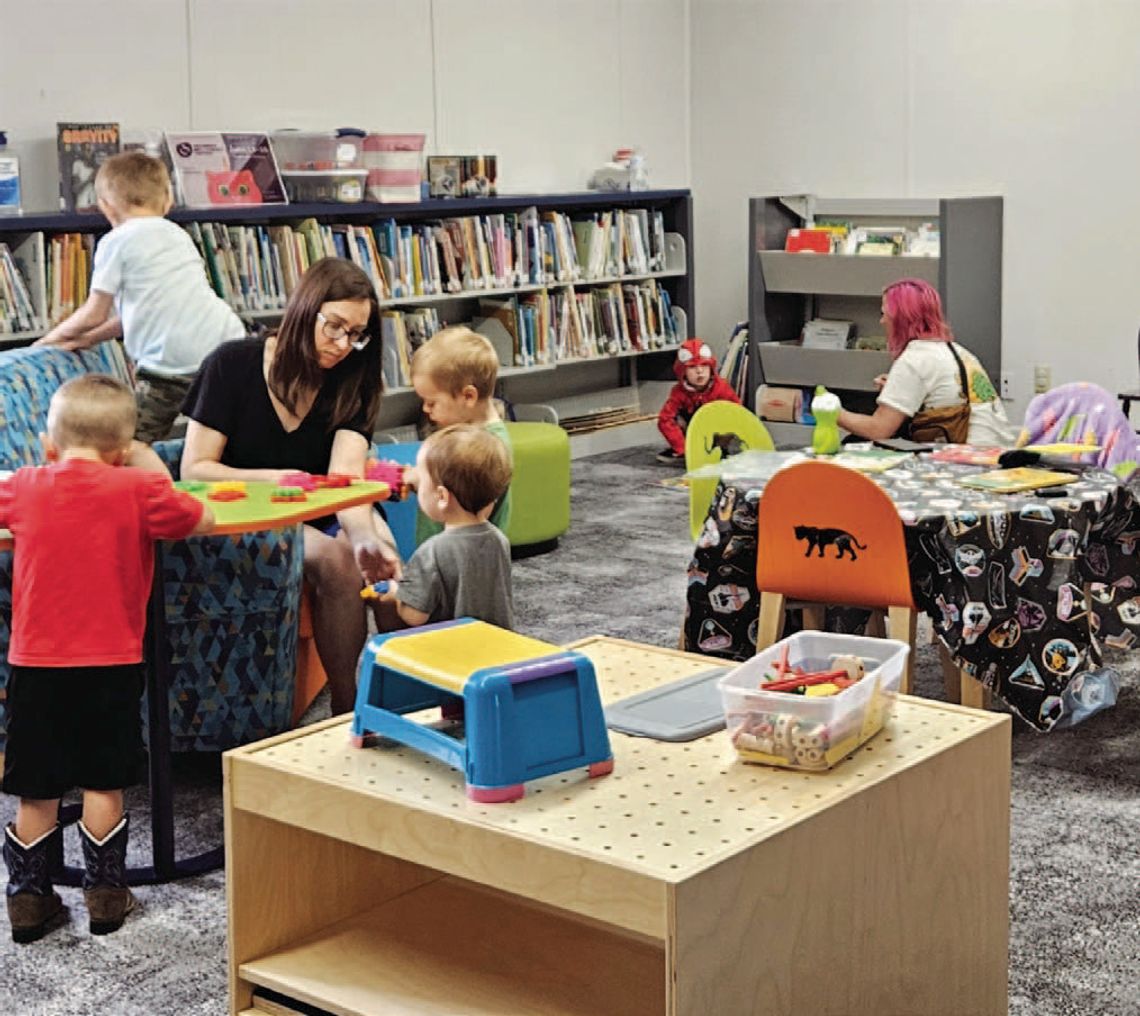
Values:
[(929, 372)]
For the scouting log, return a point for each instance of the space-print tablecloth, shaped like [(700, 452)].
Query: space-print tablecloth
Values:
[(1003, 576)]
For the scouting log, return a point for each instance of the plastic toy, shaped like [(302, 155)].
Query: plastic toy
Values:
[(287, 494), (226, 495), (374, 591), (228, 487), (392, 473), (529, 709), (825, 408), (303, 480)]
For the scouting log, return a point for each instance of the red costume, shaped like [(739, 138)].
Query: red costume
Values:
[(684, 400)]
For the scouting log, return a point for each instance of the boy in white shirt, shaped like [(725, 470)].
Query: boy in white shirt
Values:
[(148, 271)]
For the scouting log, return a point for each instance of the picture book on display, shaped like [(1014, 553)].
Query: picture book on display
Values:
[(82, 148), (214, 168), (1010, 481)]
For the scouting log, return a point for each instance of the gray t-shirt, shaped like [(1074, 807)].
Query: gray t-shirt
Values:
[(461, 572)]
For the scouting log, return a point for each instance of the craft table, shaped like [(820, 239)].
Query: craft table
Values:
[(1017, 585), (253, 513), (684, 883)]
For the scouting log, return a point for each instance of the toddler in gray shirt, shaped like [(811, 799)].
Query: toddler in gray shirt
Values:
[(465, 571)]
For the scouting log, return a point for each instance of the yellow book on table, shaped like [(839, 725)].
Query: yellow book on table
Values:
[(1010, 481)]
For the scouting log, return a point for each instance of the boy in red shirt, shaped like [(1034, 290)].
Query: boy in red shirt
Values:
[(81, 526), (697, 383)]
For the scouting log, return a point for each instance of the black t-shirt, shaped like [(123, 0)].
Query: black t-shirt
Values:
[(230, 395)]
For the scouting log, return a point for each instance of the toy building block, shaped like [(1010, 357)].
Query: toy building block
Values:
[(333, 481), (287, 495), (529, 709), (306, 481), (392, 473)]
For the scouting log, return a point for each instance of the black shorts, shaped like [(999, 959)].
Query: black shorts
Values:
[(73, 727)]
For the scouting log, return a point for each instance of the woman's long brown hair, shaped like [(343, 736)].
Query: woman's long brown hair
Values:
[(296, 368)]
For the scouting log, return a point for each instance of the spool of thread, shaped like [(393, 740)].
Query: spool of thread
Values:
[(783, 405)]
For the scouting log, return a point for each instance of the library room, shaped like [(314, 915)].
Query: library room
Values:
[(647, 491)]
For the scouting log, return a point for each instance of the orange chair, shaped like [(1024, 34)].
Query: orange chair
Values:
[(827, 534), (311, 676)]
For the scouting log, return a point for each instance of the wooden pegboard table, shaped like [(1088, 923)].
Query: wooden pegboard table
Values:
[(684, 883)]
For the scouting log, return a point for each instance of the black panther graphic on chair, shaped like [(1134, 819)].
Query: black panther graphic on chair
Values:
[(729, 444), (817, 539)]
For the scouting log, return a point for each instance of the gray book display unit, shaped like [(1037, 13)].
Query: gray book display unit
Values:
[(785, 290), (604, 400)]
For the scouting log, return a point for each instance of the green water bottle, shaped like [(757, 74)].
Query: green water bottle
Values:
[(825, 408)]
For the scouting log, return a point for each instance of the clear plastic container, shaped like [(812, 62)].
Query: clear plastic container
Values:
[(800, 732), (309, 151), (342, 185)]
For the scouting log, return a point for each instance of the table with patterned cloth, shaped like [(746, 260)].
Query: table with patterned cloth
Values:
[(1023, 590)]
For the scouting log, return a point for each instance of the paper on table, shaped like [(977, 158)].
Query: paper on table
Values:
[(752, 465)]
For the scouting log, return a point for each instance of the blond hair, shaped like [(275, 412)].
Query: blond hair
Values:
[(134, 180), (456, 357), (93, 411), (473, 464)]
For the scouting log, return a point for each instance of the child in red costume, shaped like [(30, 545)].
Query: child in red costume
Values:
[(697, 383)]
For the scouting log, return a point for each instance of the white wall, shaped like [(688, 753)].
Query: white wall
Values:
[(550, 86), (1037, 100)]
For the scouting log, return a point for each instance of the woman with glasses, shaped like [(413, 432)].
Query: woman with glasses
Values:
[(306, 398)]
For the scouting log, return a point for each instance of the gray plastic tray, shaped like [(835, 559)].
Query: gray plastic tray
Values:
[(682, 710)]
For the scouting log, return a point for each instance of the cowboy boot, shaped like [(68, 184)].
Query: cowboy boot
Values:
[(33, 905), (105, 882)]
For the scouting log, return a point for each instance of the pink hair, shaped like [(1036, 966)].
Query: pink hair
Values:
[(915, 312)]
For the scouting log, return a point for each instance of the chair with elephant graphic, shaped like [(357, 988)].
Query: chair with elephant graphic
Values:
[(827, 535), (717, 430)]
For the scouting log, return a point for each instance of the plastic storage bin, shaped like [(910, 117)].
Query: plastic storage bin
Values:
[(797, 732), (343, 185), (395, 166), (316, 150)]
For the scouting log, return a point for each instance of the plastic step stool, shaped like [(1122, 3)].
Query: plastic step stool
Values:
[(530, 709)]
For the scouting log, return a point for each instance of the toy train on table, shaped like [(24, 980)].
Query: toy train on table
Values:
[(529, 709)]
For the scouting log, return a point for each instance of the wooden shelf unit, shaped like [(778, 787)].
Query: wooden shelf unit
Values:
[(686, 882), (786, 290), (525, 384)]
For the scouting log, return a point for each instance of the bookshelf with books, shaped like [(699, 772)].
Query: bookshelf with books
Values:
[(583, 295), (953, 243)]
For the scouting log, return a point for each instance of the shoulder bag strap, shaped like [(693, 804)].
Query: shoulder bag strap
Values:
[(961, 373)]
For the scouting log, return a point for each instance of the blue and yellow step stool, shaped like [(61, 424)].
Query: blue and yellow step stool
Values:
[(529, 709)]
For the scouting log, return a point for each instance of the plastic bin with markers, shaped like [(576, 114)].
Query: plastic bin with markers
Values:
[(814, 727)]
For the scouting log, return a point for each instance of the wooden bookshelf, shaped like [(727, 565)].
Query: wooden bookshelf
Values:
[(685, 882), (543, 382)]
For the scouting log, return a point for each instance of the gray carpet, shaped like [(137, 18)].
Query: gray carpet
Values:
[(1075, 891)]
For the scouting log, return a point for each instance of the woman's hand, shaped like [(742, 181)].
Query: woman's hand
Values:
[(880, 380), (376, 560)]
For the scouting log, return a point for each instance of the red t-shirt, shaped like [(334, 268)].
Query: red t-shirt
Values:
[(84, 559)]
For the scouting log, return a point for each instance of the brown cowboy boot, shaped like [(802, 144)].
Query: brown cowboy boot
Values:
[(34, 907), (105, 881)]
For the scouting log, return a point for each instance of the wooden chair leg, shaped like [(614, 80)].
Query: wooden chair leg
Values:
[(876, 625), (951, 676), (974, 693), (901, 623), (815, 616), (771, 620)]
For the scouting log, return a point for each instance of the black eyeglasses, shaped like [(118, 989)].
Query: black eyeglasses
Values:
[(334, 332)]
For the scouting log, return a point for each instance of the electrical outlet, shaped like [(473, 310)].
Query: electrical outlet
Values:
[(1006, 385), (1042, 378)]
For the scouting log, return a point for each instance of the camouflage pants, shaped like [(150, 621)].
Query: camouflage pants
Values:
[(159, 400)]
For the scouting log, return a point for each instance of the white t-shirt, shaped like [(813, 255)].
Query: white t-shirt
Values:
[(171, 316), (926, 376)]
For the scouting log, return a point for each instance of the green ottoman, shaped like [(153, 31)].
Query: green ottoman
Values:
[(540, 490)]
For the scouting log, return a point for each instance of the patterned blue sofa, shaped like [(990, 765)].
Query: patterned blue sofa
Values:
[(232, 602)]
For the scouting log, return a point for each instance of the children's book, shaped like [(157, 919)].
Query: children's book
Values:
[(225, 169), (868, 460), (970, 455), (82, 148), (1010, 481)]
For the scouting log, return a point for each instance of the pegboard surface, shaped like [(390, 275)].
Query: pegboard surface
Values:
[(668, 810)]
